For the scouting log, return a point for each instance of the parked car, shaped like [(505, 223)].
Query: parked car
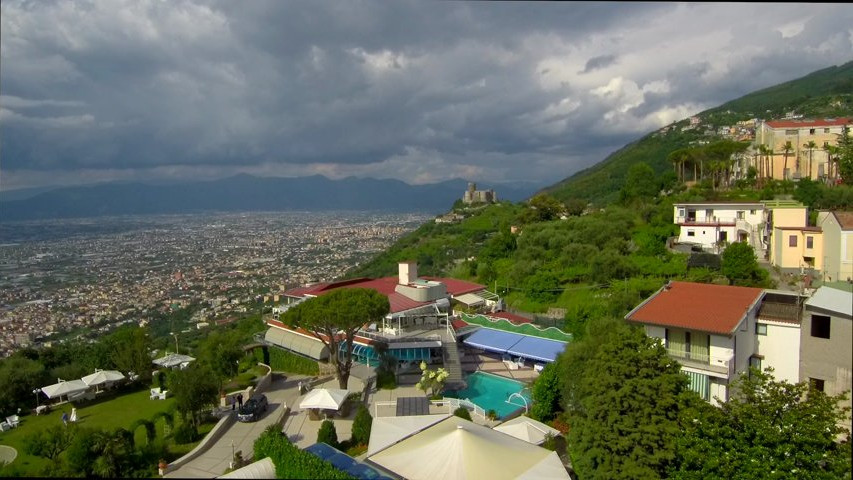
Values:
[(253, 409)]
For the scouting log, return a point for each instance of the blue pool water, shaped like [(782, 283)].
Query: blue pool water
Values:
[(490, 392)]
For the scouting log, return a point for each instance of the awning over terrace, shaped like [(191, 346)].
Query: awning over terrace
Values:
[(470, 299), (533, 348), (536, 348), (301, 344)]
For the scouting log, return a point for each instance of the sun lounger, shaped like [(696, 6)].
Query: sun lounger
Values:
[(14, 420)]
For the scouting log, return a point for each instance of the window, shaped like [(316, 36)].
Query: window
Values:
[(811, 131), (825, 144), (752, 212), (680, 212), (809, 242), (691, 233), (820, 326), (825, 130), (740, 214), (816, 384), (792, 241), (761, 328), (755, 362)]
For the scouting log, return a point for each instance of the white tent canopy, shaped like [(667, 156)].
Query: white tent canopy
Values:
[(173, 360), (527, 429), (390, 430), (324, 398), (455, 448), (103, 377), (63, 388)]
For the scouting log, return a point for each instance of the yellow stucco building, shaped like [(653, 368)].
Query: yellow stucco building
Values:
[(802, 161)]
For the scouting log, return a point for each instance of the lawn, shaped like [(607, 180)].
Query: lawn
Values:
[(113, 412)]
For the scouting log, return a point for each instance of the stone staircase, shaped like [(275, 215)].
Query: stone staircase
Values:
[(452, 364)]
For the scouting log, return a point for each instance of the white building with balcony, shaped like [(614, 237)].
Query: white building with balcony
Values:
[(710, 224), (708, 329)]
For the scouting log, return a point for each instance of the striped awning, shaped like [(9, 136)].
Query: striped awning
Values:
[(699, 383), (301, 344)]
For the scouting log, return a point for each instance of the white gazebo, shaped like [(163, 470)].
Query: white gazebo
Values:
[(324, 399), (64, 388), (103, 377), (454, 448), (173, 360)]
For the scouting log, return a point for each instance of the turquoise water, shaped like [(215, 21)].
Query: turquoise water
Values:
[(490, 392)]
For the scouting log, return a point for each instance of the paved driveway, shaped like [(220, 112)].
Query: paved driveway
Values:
[(241, 436)]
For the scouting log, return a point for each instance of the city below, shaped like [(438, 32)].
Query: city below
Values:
[(61, 279)]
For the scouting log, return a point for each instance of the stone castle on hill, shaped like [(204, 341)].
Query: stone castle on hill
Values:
[(472, 195)]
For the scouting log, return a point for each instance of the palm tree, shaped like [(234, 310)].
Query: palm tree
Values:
[(788, 149), (810, 146), (831, 173)]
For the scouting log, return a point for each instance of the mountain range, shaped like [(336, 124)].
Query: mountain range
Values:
[(247, 193)]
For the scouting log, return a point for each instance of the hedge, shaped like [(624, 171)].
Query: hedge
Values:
[(290, 461), (284, 361)]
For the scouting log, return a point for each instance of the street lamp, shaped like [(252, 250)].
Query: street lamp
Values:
[(36, 393)]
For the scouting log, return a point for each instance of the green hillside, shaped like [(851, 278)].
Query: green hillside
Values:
[(825, 93), (556, 253)]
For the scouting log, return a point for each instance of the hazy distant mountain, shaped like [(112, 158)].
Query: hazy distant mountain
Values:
[(248, 193)]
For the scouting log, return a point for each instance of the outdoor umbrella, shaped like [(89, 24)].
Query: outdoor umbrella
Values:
[(63, 388), (324, 398), (101, 377)]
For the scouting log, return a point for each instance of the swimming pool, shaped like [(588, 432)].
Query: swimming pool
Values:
[(490, 392)]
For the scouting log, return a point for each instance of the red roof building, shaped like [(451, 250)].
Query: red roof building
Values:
[(697, 306)]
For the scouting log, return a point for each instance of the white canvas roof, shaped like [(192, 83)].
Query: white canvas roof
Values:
[(64, 388), (324, 398), (458, 449), (308, 346), (832, 299), (527, 429), (386, 431), (173, 360), (101, 377), (470, 299)]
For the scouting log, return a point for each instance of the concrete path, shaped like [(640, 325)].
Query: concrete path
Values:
[(241, 436)]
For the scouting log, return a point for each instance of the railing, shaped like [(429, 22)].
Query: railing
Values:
[(704, 361), (706, 220), (395, 339), (454, 403)]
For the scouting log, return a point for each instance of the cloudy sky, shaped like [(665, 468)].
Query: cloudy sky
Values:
[(420, 91)]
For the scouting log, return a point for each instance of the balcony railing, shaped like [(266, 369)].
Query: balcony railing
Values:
[(728, 221), (710, 363)]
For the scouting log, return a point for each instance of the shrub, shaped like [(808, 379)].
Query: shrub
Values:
[(290, 461), (462, 412), (184, 433), (328, 434), (361, 426), (492, 414), (386, 380)]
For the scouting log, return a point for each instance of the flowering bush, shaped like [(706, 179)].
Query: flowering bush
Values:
[(432, 381)]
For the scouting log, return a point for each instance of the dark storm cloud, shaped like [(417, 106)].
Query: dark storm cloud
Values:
[(599, 62), (420, 91)]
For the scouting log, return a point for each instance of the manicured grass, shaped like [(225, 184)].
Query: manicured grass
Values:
[(113, 412)]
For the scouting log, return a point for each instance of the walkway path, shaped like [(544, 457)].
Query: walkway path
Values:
[(241, 436)]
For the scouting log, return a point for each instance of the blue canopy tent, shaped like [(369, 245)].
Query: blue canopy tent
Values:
[(492, 340), (344, 462), (536, 348), (499, 341)]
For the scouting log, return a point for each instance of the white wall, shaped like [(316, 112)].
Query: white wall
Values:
[(781, 350), (656, 332), (718, 389)]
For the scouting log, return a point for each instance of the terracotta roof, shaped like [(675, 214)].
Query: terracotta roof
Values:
[(515, 319), (386, 286), (697, 306), (835, 122), (845, 219), (805, 229)]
